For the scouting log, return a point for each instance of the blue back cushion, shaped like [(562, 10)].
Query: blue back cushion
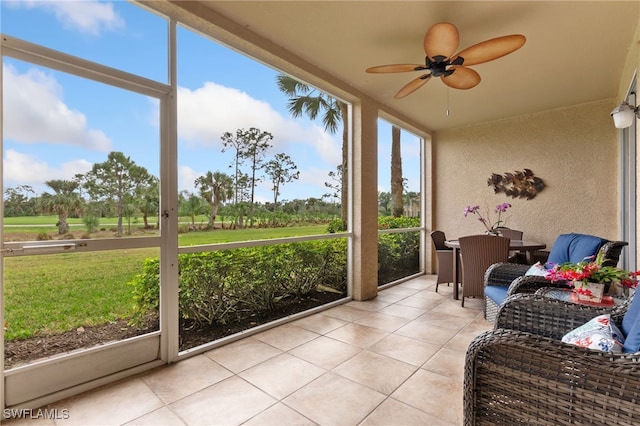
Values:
[(574, 247), (631, 326)]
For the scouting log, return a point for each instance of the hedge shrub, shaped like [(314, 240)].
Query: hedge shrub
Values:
[(228, 285), (398, 254), (223, 286)]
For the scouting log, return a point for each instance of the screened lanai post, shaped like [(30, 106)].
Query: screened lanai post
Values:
[(364, 190)]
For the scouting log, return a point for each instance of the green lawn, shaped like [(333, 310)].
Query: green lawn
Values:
[(60, 292), (229, 235), (51, 220), (37, 220)]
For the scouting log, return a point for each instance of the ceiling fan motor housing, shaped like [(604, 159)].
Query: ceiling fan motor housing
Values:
[(438, 66)]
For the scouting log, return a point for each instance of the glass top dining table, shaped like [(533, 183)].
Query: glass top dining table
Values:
[(524, 246)]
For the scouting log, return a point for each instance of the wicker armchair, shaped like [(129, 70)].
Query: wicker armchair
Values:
[(522, 373), (508, 279)]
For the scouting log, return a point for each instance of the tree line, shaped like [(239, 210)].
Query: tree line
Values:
[(22, 201), (120, 188)]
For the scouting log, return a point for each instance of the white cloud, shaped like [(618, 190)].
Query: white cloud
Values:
[(23, 169), (87, 16), (206, 113), (34, 112), (187, 176), (69, 169), (328, 147), (315, 177)]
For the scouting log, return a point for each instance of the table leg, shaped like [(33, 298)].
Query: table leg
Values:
[(455, 273), (529, 257)]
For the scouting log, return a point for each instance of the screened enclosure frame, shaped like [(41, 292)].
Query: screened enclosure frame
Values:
[(168, 334)]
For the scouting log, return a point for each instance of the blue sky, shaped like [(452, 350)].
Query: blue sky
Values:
[(57, 125)]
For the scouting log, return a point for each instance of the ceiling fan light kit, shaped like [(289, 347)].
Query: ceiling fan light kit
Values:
[(440, 44)]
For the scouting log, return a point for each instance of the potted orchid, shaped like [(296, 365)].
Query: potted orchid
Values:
[(590, 279), (485, 218)]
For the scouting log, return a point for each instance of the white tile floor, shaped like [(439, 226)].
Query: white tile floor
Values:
[(394, 360)]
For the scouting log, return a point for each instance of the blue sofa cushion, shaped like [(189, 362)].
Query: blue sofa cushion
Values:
[(574, 248), (632, 339), (631, 316), (631, 327), (497, 293)]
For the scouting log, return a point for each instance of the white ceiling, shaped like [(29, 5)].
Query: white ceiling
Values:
[(574, 52)]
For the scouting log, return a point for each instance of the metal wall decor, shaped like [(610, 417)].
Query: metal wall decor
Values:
[(520, 184)]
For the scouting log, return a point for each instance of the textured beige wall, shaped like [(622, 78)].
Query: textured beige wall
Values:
[(573, 150)]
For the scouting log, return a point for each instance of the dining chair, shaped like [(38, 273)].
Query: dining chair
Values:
[(513, 234), (445, 258), (477, 253)]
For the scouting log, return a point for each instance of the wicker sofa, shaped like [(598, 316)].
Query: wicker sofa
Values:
[(505, 279), (522, 373)]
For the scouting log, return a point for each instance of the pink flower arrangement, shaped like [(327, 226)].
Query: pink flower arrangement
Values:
[(489, 225), (592, 270)]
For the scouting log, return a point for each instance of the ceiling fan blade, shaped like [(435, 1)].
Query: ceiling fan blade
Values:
[(489, 50), (412, 86), (441, 40), (396, 68), (462, 78)]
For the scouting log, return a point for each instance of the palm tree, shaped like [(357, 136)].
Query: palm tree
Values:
[(396, 173), (63, 202), (215, 189), (303, 99)]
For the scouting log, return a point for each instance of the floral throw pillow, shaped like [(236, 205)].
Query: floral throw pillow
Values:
[(537, 269), (599, 333)]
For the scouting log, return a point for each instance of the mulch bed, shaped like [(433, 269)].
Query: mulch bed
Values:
[(19, 352)]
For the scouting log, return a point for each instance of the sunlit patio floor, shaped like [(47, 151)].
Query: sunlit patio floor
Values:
[(394, 360)]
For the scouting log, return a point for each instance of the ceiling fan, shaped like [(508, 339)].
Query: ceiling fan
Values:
[(440, 43)]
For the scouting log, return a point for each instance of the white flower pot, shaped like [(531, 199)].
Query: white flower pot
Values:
[(590, 292)]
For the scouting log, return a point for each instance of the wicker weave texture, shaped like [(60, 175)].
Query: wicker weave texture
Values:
[(522, 373), (490, 310), (513, 276), (477, 253)]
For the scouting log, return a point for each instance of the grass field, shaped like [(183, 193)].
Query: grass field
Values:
[(60, 292), (51, 220)]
